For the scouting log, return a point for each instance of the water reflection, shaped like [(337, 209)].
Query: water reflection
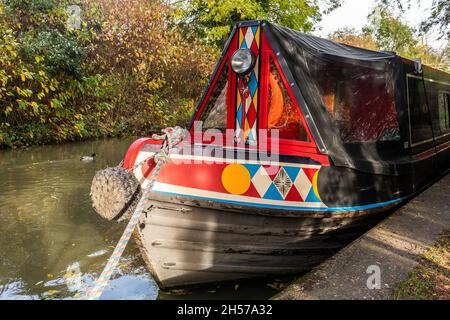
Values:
[(53, 246), (48, 230)]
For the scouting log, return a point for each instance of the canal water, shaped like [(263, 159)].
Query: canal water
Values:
[(53, 245)]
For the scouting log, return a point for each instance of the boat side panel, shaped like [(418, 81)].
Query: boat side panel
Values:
[(186, 245), (273, 185)]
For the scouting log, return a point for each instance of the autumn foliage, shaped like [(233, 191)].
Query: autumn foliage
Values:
[(126, 71)]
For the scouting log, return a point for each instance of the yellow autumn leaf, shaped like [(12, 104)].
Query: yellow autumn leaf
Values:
[(68, 275), (52, 292), (22, 76)]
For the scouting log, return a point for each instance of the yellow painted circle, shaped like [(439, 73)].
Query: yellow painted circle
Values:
[(236, 178)]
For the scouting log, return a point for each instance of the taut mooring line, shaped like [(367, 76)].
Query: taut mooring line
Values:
[(171, 136)]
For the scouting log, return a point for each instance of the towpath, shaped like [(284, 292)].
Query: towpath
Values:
[(372, 265)]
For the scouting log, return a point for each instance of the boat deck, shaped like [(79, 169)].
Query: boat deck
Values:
[(394, 246)]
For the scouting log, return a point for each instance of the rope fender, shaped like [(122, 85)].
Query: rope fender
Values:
[(171, 137)]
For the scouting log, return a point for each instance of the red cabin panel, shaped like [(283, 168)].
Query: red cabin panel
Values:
[(295, 138)]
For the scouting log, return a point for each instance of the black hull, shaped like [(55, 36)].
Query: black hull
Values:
[(229, 211), (185, 245), (190, 240)]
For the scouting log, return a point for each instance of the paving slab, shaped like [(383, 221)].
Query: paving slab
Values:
[(371, 266)]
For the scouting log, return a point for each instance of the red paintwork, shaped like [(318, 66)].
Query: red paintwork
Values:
[(286, 146), (204, 176), (263, 83), (231, 98), (147, 167), (294, 195), (302, 146), (231, 77), (133, 150), (201, 176)]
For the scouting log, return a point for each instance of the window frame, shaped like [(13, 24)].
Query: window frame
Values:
[(421, 142), (224, 59), (445, 92), (227, 96), (287, 146)]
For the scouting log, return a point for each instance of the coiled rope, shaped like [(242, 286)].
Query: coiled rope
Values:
[(171, 137)]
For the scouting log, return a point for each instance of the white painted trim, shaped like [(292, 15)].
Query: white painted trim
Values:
[(169, 188)]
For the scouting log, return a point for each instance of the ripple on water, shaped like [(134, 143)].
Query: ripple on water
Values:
[(48, 228), (53, 245)]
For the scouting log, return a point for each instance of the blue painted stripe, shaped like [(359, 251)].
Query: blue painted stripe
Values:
[(271, 206)]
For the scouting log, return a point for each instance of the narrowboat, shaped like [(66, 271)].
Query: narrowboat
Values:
[(297, 145)]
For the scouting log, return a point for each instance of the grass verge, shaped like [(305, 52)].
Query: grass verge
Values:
[(430, 280)]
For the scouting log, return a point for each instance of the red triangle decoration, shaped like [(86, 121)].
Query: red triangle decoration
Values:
[(252, 192), (271, 171), (293, 195), (309, 173)]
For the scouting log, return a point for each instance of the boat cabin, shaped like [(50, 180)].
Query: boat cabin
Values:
[(328, 101), (298, 145), (374, 124)]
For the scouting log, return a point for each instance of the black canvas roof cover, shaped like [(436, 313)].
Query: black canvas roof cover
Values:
[(299, 55), (316, 45)]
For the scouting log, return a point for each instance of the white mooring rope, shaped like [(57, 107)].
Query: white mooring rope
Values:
[(171, 137)]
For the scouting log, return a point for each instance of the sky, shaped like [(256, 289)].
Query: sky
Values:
[(353, 13)]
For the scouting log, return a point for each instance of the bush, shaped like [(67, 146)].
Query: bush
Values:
[(61, 54), (127, 71), (159, 68)]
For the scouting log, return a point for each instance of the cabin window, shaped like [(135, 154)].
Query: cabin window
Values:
[(362, 107), (214, 114), (444, 110), (359, 100), (428, 99), (419, 115), (283, 115)]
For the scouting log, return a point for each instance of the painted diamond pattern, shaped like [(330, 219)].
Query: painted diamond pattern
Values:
[(303, 184), (283, 182), (251, 116), (247, 106), (249, 37), (261, 181)]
